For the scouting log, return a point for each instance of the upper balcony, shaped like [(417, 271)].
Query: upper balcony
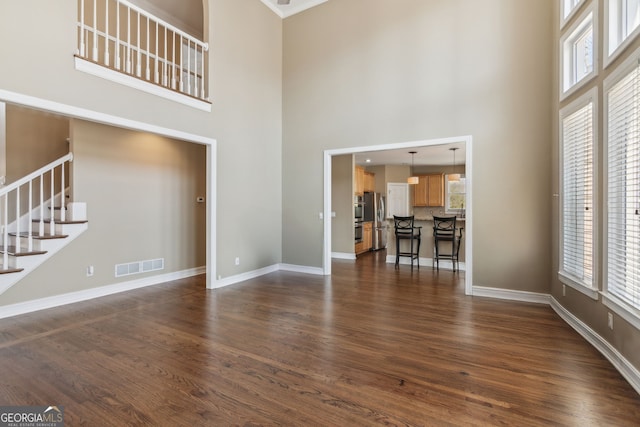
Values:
[(120, 41)]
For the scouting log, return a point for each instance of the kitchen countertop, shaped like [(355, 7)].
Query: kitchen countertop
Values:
[(430, 218)]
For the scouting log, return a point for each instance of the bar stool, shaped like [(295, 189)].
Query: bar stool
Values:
[(444, 230), (405, 230)]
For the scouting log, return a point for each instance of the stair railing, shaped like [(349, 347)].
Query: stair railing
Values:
[(122, 36), (22, 224)]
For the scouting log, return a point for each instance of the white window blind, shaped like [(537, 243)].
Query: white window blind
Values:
[(623, 227), (577, 196)]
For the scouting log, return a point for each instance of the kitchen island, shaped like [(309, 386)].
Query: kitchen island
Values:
[(426, 246)]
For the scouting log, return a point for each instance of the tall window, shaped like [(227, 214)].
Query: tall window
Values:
[(577, 188), (623, 22), (623, 186), (578, 53), (568, 7)]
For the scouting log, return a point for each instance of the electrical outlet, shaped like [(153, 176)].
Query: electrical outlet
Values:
[(237, 260), (564, 290), (90, 271), (610, 320)]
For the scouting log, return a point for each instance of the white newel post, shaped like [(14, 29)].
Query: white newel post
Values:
[(5, 232), (18, 238), (52, 204), (30, 219), (41, 224), (63, 204)]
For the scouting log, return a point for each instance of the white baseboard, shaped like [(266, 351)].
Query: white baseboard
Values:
[(72, 297), (626, 369), (343, 255), (508, 294), (220, 283), (318, 271), (427, 262)]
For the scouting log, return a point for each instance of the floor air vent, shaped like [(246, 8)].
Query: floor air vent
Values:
[(138, 267)]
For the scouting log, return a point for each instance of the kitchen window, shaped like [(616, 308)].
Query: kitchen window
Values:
[(622, 257), (578, 53), (577, 239), (623, 25), (456, 196)]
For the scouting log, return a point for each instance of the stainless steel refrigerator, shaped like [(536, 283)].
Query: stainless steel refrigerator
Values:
[(374, 211)]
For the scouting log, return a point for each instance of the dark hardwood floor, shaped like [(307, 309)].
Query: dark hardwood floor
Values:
[(370, 345)]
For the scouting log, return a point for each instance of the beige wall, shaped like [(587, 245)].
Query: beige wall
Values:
[(624, 337), (411, 70), (342, 234), (245, 74), (34, 139), (3, 143)]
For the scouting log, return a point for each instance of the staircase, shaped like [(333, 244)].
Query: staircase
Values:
[(31, 235)]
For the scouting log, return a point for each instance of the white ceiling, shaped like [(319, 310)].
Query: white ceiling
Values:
[(294, 6), (434, 155)]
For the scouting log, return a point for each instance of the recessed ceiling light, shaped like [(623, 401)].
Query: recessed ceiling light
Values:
[(368, 160)]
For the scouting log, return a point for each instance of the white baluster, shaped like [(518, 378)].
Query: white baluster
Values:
[(41, 225), (30, 219), (138, 58), (128, 68), (195, 71), (148, 73), (165, 82), (81, 47), (181, 65), (117, 46), (157, 71), (189, 67), (173, 65), (95, 31), (106, 32)]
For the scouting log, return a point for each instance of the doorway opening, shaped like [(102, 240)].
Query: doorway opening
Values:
[(327, 209)]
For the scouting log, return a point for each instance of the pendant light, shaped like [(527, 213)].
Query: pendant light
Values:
[(454, 176), (412, 179)]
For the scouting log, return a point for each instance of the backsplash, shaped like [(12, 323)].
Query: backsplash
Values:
[(422, 212)]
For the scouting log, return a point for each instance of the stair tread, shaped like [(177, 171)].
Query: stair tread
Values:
[(12, 250), (57, 221), (10, 270), (41, 237)]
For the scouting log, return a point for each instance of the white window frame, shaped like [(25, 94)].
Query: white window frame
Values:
[(448, 209), (567, 278), (615, 40), (567, 11), (569, 84), (622, 308)]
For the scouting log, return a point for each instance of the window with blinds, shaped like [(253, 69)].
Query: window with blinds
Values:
[(579, 51), (623, 188), (577, 187)]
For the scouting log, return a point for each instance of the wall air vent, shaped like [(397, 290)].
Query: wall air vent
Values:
[(138, 267)]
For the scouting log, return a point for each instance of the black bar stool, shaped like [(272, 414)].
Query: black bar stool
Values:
[(444, 231), (405, 230)]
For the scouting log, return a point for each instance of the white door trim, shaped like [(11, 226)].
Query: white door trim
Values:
[(468, 232)]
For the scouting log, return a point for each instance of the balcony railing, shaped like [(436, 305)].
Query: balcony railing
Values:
[(123, 37)]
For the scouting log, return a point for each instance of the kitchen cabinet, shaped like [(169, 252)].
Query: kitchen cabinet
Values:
[(359, 181), (367, 236), (369, 181), (429, 191), (359, 248), (363, 181)]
